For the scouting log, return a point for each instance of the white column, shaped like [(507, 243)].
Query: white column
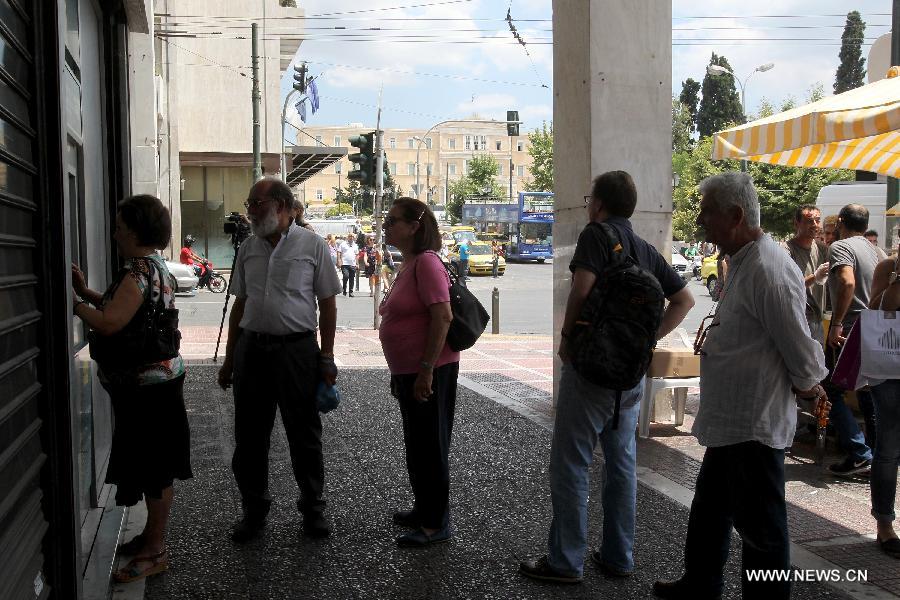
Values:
[(612, 85)]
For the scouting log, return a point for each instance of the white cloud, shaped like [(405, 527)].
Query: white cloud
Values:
[(798, 65), (534, 114), (488, 104), (393, 56)]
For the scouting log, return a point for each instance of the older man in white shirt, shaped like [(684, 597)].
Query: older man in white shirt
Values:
[(281, 274), (757, 355)]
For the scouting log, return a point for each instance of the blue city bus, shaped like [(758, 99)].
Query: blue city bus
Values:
[(532, 238)]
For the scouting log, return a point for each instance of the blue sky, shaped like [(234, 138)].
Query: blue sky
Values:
[(425, 82)]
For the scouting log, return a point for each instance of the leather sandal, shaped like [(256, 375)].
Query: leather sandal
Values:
[(157, 563)]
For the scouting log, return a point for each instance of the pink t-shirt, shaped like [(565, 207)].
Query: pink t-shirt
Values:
[(405, 317)]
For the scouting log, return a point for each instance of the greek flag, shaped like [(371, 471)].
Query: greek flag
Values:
[(301, 109), (313, 92)]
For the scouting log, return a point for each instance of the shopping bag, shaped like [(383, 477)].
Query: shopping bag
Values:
[(879, 344), (846, 369)]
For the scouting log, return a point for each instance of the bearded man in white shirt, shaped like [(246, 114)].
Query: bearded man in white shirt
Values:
[(284, 286), (756, 355)]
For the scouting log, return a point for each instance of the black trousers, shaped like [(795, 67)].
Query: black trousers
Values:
[(427, 427), (349, 274), (739, 486), (267, 376)]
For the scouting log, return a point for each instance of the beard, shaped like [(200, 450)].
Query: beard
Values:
[(266, 225)]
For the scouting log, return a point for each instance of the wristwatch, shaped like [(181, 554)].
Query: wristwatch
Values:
[(426, 365)]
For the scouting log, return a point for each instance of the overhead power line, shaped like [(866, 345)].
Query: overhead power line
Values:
[(334, 14), (843, 16), (206, 58), (490, 41), (404, 72)]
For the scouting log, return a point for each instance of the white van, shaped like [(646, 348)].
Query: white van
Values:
[(338, 227), (871, 194)]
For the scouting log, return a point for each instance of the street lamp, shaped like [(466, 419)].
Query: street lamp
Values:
[(719, 70), (716, 70)]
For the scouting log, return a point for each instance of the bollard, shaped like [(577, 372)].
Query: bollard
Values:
[(495, 311)]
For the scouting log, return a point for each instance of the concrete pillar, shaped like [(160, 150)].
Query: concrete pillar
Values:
[(612, 86), (142, 107)]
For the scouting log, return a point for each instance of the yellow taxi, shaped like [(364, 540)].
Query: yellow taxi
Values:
[(709, 273), (481, 259)]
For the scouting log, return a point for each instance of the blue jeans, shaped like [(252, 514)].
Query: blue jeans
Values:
[(583, 413), (850, 437), (887, 449)]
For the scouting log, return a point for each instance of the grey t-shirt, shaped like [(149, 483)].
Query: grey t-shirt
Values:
[(859, 254), (808, 261)]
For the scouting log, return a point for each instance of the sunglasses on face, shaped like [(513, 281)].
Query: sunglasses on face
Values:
[(390, 220), (249, 203)]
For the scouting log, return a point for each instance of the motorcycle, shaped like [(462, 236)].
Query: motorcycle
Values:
[(210, 279), (696, 265)]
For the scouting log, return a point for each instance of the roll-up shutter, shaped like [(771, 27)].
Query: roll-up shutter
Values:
[(22, 524)]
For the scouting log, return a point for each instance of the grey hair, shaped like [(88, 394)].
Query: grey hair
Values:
[(733, 189)]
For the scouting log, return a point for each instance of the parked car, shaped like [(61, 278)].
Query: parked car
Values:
[(481, 258), (395, 254), (709, 274), (184, 274), (681, 264)]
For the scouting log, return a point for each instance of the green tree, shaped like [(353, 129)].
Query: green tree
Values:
[(720, 106), (692, 167), (851, 71), (541, 150), (339, 209), (681, 127), (780, 189), (479, 181), (351, 195), (690, 99)]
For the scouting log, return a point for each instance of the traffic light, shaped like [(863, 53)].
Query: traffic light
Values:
[(300, 78), (512, 129), (364, 159)]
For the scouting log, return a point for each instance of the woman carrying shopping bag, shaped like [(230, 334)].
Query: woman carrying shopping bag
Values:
[(880, 359)]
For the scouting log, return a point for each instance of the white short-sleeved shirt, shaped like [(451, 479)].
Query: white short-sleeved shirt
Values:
[(348, 253), (281, 284)]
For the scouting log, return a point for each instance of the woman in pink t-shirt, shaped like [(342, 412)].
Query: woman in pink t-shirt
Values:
[(415, 317)]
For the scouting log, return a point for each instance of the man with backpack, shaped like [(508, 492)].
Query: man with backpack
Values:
[(756, 355), (618, 285)]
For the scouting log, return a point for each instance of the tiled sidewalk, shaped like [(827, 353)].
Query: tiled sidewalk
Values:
[(828, 517)]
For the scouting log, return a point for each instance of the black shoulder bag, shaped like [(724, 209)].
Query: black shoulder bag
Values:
[(469, 317), (150, 337)]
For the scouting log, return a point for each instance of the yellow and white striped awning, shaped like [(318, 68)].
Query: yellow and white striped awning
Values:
[(858, 129)]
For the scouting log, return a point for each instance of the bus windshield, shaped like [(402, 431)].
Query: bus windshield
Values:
[(535, 233)]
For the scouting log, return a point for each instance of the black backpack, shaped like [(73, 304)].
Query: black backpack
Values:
[(613, 339)]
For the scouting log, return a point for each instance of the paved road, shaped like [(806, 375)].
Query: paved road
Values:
[(526, 302)]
